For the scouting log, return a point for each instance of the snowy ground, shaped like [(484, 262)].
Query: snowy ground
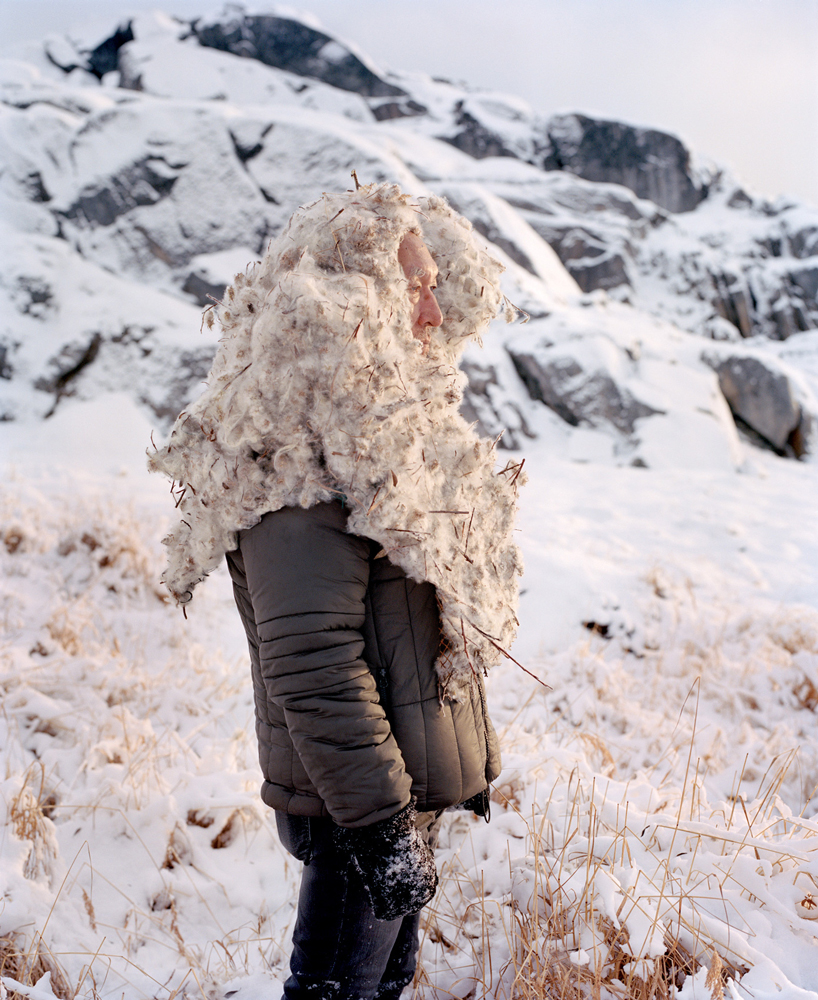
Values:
[(654, 823)]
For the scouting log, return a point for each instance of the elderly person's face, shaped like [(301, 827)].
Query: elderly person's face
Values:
[(421, 276)]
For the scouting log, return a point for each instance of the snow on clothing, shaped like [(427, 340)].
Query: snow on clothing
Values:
[(394, 862), (319, 391), (339, 950), (343, 644)]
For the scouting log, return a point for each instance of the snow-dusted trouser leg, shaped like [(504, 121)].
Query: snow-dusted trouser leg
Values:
[(340, 951)]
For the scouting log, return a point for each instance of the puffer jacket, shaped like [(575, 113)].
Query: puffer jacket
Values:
[(342, 646)]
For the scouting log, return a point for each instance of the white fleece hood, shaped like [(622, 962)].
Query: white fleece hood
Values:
[(320, 392)]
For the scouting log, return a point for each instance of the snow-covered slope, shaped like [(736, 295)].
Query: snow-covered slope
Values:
[(654, 819)]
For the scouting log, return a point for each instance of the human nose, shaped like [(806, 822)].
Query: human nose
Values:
[(429, 314)]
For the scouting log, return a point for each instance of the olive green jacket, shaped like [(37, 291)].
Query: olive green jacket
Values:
[(343, 646)]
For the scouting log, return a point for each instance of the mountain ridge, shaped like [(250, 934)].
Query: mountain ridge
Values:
[(170, 149)]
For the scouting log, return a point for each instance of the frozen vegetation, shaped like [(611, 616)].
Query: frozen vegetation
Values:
[(654, 832)]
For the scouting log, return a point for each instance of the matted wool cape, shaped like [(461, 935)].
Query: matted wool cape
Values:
[(320, 392)]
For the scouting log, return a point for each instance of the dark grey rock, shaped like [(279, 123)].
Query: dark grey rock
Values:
[(591, 260), (291, 45), (605, 272), (102, 59), (6, 367), (474, 138), (771, 245), (34, 188), (33, 296), (484, 404), (167, 400), (589, 200), (733, 301), (248, 139), (783, 302), (654, 165), (739, 199), (789, 316), (580, 397), (145, 182), (389, 110), (105, 57), (805, 279), (73, 359), (804, 242), (763, 399), (203, 291), (575, 243)]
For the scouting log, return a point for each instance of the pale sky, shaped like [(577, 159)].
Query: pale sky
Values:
[(737, 80)]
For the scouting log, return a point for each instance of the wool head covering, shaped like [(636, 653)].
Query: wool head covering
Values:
[(319, 392)]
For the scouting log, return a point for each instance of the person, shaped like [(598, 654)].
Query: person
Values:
[(368, 535)]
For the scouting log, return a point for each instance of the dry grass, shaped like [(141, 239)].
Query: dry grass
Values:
[(597, 906), (614, 901), (547, 960), (518, 948), (28, 820), (26, 962)]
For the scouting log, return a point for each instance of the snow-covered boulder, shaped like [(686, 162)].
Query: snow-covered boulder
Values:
[(637, 382), (151, 186), (584, 382), (102, 58), (764, 399), (72, 329)]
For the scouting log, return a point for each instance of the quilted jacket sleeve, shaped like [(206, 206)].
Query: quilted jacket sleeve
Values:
[(307, 580)]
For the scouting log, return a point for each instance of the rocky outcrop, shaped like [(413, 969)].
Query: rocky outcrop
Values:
[(654, 165), (177, 186), (734, 301), (775, 301), (486, 403), (474, 138), (580, 396), (405, 107), (727, 271), (294, 46), (204, 292), (804, 278), (803, 241), (763, 400), (145, 182), (186, 191), (102, 59), (591, 261), (169, 397), (72, 361)]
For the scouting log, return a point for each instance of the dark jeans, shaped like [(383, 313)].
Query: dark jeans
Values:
[(340, 951)]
